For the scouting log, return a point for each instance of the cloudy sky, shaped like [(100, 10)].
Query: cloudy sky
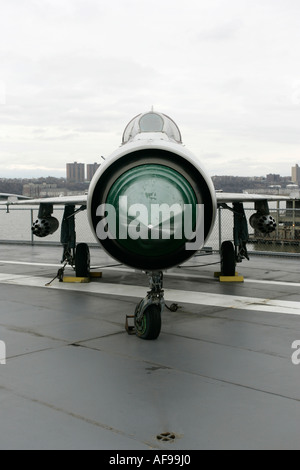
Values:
[(74, 72)]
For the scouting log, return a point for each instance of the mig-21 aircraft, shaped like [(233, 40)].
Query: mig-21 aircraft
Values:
[(152, 206)]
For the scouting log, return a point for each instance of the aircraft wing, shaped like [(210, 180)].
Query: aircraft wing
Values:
[(14, 196), (63, 200), (82, 199), (223, 198)]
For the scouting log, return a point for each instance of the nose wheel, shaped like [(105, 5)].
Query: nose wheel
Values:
[(147, 316), (148, 323)]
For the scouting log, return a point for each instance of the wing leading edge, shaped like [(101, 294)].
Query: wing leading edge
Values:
[(223, 198), (62, 200), (12, 196)]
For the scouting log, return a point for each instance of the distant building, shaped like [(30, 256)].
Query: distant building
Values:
[(91, 170), (75, 172), (271, 178), (296, 174), (39, 190)]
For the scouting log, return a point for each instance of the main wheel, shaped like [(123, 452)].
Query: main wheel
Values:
[(149, 326), (82, 260), (227, 259)]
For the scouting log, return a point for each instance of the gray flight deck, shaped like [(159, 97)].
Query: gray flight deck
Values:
[(220, 376)]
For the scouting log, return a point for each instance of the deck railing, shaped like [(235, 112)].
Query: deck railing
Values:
[(16, 222)]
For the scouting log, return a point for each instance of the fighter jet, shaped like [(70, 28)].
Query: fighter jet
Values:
[(152, 206)]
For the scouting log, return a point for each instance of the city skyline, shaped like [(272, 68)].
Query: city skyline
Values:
[(88, 170)]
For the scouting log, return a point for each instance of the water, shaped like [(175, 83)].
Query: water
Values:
[(16, 226)]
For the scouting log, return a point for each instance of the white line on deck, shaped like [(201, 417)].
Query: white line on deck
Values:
[(179, 275), (171, 295)]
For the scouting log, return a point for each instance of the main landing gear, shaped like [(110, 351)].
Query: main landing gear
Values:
[(228, 259), (82, 260), (231, 254), (75, 255)]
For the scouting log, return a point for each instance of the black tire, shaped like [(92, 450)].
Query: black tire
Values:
[(227, 259), (82, 260), (150, 324)]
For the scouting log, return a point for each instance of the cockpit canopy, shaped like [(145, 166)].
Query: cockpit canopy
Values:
[(152, 122)]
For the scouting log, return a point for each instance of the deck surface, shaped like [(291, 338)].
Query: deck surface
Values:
[(220, 376)]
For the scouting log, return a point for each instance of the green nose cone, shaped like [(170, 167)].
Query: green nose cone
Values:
[(149, 201)]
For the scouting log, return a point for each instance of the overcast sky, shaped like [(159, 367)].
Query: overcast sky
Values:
[(74, 72)]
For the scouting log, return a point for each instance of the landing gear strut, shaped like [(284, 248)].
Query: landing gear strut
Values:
[(235, 253), (147, 317), (77, 256)]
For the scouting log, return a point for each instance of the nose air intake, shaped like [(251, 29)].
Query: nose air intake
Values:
[(135, 187), (157, 195)]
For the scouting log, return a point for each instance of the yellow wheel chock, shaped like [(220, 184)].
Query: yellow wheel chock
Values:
[(82, 280), (235, 278)]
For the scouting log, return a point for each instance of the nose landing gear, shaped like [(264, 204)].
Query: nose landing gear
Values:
[(147, 317)]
